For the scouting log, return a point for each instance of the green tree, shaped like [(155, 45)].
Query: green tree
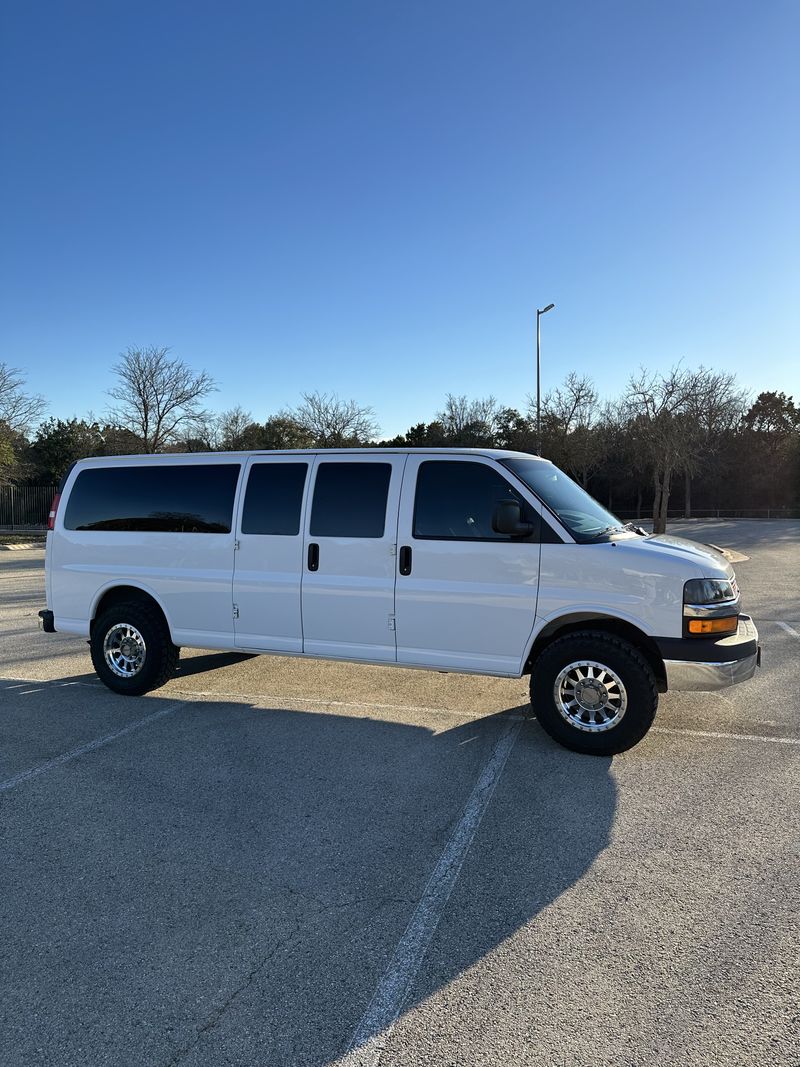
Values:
[(775, 415), (284, 431), (59, 443), (770, 460)]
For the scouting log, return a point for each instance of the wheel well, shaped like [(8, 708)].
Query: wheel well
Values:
[(605, 624), (121, 594)]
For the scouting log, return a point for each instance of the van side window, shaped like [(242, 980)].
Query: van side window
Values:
[(156, 498), (350, 500), (274, 498), (456, 501)]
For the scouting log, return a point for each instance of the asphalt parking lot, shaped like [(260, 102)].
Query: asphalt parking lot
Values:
[(273, 862)]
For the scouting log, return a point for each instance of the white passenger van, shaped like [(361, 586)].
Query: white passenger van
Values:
[(482, 561)]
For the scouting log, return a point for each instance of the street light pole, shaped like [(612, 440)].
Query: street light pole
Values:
[(539, 377)]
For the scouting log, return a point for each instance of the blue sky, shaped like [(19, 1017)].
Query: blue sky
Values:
[(372, 198)]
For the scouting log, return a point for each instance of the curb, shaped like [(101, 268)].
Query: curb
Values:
[(19, 547)]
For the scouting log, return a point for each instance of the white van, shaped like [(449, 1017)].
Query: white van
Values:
[(481, 561)]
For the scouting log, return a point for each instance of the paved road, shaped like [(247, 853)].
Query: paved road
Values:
[(267, 858)]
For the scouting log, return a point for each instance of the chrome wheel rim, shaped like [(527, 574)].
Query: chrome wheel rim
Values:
[(124, 650), (590, 696)]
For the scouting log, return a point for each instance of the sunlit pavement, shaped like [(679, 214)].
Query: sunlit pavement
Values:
[(276, 862)]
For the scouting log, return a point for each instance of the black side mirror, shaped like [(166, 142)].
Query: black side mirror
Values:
[(507, 519)]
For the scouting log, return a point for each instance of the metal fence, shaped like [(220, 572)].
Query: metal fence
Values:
[(25, 507), (715, 513)]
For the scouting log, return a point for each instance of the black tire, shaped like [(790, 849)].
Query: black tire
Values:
[(160, 656), (615, 655)]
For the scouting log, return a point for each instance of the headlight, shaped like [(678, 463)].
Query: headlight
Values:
[(710, 608), (707, 591)]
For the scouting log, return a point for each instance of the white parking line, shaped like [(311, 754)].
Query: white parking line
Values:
[(785, 626), (725, 737), (51, 682), (374, 1030), (90, 746)]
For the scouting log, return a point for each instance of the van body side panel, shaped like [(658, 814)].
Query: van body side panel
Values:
[(643, 589), (188, 574), (467, 605)]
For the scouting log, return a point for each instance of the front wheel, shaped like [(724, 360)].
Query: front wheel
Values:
[(132, 651), (594, 693)]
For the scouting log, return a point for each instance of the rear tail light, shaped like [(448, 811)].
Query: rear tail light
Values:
[(51, 518)]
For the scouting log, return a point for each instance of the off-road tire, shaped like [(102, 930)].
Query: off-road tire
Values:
[(625, 661), (161, 656)]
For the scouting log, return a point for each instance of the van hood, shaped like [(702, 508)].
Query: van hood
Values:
[(700, 561)]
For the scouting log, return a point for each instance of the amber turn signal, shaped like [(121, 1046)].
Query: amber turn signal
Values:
[(714, 626)]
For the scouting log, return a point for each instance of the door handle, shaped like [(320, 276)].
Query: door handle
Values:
[(405, 560), (313, 556)]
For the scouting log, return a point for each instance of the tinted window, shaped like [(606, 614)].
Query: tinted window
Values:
[(186, 498), (457, 501), (350, 500), (274, 498)]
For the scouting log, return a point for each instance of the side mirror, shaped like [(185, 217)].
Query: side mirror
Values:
[(507, 519)]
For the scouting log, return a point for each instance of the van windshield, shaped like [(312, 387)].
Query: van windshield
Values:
[(585, 519)]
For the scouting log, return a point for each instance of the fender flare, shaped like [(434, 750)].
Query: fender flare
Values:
[(128, 583), (577, 615)]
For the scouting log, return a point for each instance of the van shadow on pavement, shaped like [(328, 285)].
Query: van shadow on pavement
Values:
[(228, 883)]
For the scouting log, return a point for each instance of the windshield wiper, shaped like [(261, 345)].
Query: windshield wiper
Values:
[(619, 526), (635, 528), (605, 530)]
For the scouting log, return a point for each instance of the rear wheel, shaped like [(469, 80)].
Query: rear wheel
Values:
[(594, 693), (132, 651)]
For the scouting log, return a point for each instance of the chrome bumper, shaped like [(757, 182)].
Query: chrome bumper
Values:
[(696, 675), (683, 674)]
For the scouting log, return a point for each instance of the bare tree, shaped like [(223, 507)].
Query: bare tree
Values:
[(158, 396), (19, 410), (572, 404), (329, 422), (716, 409), (670, 416), (475, 423), (656, 407), (231, 428), (572, 419)]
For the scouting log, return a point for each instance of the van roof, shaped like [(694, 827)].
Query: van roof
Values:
[(201, 457)]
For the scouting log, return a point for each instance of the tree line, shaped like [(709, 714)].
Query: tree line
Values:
[(691, 434)]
